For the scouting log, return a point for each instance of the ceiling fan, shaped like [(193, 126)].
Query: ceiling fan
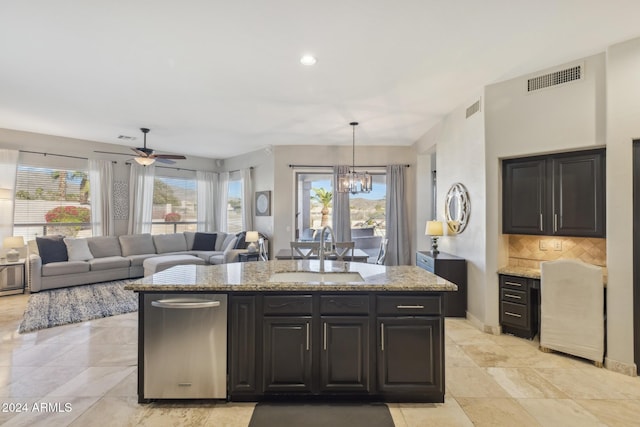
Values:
[(146, 156)]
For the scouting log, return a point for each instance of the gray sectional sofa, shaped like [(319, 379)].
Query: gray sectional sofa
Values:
[(105, 258)]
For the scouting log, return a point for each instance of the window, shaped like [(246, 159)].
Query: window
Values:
[(234, 204), (314, 210), (174, 204), (52, 201)]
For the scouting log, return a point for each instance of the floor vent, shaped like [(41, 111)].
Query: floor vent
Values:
[(556, 78), (473, 108)]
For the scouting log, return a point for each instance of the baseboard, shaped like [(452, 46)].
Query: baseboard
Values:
[(629, 369), (493, 330)]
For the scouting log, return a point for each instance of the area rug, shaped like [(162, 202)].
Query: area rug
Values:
[(321, 415), (57, 307)]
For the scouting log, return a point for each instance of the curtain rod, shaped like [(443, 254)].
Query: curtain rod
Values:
[(58, 155), (331, 166)]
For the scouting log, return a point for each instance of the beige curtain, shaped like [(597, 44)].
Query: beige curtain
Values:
[(101, 182)]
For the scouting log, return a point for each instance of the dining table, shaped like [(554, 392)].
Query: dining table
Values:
[(358, 255)]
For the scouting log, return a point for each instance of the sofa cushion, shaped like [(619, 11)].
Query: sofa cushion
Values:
[(137, 260), (78, 249), (108, 263), (228, 242), (170, 243), (66, 267), (136, 244), (220, 240), (204, 242), (52, 249), (104, 246)]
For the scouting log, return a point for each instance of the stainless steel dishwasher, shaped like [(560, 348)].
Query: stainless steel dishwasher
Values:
[(185, 346)]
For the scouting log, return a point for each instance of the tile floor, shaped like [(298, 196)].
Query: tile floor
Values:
[(85, 375)]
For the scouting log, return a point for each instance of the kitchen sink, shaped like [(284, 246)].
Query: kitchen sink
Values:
[(314, 276)]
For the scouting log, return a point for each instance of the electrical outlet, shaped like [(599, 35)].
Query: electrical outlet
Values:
[(557, 245), (543, 245)]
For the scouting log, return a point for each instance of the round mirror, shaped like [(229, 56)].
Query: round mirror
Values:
[(457, 208)]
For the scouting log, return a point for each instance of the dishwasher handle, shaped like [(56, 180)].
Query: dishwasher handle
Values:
[(185, 303)]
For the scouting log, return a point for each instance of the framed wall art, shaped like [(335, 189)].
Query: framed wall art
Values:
[(263, 203)]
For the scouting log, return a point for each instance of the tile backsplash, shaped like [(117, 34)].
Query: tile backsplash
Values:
[(529, 251)]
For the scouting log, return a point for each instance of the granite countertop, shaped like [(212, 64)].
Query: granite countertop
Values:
[(255, 276), (534, 273)]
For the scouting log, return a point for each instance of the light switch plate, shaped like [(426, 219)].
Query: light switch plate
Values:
[(543, 245)]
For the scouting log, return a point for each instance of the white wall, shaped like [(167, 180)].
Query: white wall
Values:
[(262, 162), (460, 149), (623, 125), (284, 185), (561, 118)]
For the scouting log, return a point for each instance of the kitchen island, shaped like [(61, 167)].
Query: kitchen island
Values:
[(355, 331)]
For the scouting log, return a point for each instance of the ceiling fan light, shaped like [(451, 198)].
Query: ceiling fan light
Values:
[(144, 161)]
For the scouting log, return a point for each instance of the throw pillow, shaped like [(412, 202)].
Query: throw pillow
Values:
[(78, 249), (52, 249), (204, 242), (240, 243)]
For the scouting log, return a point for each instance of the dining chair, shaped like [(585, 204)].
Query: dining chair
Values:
[(382, 254), (342, 250), (262, 250), (306, 250)]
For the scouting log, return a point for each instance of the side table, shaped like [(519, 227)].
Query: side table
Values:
[(12, 277), (245, 257)]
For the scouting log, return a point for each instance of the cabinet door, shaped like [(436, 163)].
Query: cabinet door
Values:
[(242, 341), (578, 195), (287, 354), (523, 197), (409, 355), (345, 354)]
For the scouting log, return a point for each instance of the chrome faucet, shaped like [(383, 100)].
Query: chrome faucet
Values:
[(321, 250)]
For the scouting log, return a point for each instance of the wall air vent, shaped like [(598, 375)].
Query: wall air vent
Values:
[(556, 78), (473, 108)]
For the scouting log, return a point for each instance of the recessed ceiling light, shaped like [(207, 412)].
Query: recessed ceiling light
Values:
[(308, 60)]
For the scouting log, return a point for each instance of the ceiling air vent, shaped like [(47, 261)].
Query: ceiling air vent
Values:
[(473, 108), (126, 138), (556, 78)]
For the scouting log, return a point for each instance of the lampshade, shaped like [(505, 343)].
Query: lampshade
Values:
[(434, 228), (6, 194), (252, 236), (13, 242), (144, 161)]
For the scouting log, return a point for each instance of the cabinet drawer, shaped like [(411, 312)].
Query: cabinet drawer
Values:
[(287, 304), (344, 304), (425, 262), (409, 305), (514, 314), (512, 295), (514, 282)]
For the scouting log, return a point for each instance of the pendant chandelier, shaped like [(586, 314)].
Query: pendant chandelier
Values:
[(354, 182)]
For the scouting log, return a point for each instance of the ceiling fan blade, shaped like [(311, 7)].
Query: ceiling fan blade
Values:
[(140, 153), (112, 152), (165, 161), (168, 156)]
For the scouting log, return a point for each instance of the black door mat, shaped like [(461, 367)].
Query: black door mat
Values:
[(321, 415)]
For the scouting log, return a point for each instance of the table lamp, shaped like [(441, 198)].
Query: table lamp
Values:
[(12, 243), (434, 229), (252, 237)]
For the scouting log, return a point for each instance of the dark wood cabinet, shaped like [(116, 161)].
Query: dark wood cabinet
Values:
[(408, 355), (287, 354), (560, 194), (367, 345), (242, 324), (519, 305), (344, 358), (524, 196), (452, 268)]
